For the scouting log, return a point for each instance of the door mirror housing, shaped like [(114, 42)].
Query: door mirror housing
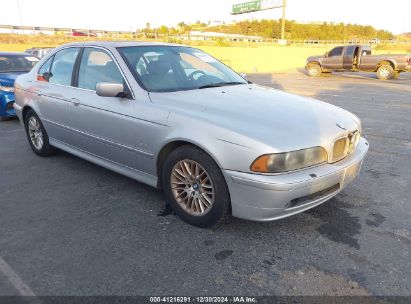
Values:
[(326, 54), (107, 89)]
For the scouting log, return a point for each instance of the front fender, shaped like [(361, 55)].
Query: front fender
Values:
[(230, 150)]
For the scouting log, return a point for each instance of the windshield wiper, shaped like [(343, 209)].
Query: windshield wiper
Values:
[(220, 84)]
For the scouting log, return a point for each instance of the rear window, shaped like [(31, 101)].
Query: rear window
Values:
[(62, 68), (365, 52)]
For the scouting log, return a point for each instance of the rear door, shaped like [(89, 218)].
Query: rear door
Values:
[(54, 90), (334, 59), (349, 57)]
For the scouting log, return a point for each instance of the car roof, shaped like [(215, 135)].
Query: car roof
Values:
[(115, 44)]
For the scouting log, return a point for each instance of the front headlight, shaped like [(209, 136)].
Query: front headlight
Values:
[(6, 89), (289, 161)]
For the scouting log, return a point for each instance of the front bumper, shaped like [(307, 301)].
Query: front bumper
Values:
[(269, 197)]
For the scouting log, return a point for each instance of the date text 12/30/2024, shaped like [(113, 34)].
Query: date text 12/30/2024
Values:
[(203, 300)]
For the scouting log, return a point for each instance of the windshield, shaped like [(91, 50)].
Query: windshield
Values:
[(16, 63), (175, 68)]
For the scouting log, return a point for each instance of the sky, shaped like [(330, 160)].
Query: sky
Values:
[(393, 15)]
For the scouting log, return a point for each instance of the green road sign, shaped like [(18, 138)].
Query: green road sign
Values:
[(254, 6), (246, 7)]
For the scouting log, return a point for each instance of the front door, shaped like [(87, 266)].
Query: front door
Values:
[(333, 61), (103, 125)]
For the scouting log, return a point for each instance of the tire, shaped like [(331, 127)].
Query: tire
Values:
[(37, 135), (385, 71), (314, 70), (198, 201)]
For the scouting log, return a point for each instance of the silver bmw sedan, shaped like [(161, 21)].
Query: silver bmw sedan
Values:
[(176, 118)]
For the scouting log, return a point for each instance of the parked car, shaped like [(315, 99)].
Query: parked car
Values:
[(39, 52), (83, 34), (357, 58), (11, 66), (176, 118)]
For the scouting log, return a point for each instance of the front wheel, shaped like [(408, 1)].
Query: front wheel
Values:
[(195, 187), (37, 135), (314, 70), (385, 72)]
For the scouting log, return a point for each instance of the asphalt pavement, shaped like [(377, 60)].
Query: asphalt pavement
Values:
[(68, 227)]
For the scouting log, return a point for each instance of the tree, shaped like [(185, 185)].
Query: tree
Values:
[(294, 30), (163, 29)]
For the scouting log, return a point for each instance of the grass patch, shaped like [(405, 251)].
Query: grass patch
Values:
[(243, 58)]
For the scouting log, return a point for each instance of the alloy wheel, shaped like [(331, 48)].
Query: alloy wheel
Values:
[(384, 72), (192, 187), (35, 133)]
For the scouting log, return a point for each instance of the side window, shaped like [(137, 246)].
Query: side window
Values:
[(44, 72), (97, 66), (336, 52), (350, 50), (63, 65), (366, 52)]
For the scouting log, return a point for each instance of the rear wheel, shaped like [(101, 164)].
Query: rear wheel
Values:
[(385, 71), (195, 187), (37, 135), (314, 70)]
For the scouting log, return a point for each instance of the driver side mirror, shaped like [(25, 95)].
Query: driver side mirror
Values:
[(107, 89), (326, 54)]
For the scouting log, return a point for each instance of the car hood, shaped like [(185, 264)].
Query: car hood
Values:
[(281, 120), (315, 58), (7, 79)]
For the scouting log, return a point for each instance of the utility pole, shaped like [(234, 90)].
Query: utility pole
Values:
[(19, 11), (283, 20)]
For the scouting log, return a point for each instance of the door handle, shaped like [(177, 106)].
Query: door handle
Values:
[(75, 101)]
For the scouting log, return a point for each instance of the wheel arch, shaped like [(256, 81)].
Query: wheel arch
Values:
[(385, 62), (315, 62), (25, 110), (170, 146)]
